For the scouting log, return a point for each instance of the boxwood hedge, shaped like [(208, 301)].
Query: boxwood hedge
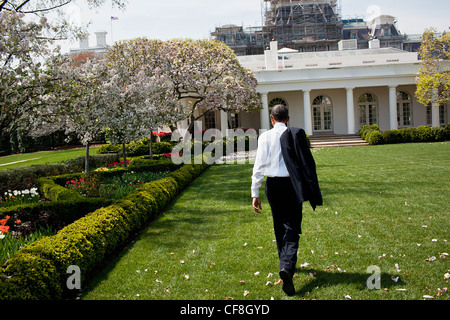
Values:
[(39, 270), (372, 134)]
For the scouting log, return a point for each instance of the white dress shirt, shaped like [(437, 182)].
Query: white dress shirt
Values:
[(269, 161)]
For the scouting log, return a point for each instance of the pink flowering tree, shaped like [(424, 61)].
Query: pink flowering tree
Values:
[(27, 39), (140, 76), (23, 80), (208, 74), (79, 104)]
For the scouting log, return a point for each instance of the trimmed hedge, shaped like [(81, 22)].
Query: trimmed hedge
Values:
[(372, 134), (138, 148), (56, 214), (38, 271)]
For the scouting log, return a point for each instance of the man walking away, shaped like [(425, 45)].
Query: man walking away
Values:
[(283, 156)]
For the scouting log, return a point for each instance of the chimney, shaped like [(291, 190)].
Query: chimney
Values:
[(101, 39), (271, 56), (374, 44), (84, 42)]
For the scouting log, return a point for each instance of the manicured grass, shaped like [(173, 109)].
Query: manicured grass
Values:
[(384, 206), (42, 157)]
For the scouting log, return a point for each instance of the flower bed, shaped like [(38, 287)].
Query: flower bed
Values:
[(39, 270), (15, 197)]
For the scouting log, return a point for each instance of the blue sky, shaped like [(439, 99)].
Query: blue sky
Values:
[(156, 19)]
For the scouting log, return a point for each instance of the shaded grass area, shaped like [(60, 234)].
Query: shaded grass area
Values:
[(42, 157), (384, 206)]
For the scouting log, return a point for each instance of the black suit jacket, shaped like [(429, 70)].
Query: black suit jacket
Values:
[(301, 166)]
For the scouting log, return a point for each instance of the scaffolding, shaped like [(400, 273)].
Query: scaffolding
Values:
[(307, 26), (302, 22)]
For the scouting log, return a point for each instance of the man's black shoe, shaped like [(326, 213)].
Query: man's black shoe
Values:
[(288, 285)]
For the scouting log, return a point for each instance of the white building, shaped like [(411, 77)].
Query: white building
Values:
[(339, 91), (101, 47)]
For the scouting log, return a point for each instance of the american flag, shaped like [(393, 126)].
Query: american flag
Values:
[(114, 18)]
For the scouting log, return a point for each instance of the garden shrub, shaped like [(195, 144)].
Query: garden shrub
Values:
[(138, 148), (29, 277), (55, 214), (447, 131), (38, 271), (405, 135), (424, 134), (54, 192), (374, 137), (95, 161), (437, 134), (392, 136), (367, 128)]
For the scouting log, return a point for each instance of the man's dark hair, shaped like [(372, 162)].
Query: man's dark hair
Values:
[(280, 112)]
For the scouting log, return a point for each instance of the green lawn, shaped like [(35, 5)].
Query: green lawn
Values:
[(384, 206), (42, 157)]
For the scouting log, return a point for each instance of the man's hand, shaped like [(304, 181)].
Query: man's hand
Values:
[(257, 205)]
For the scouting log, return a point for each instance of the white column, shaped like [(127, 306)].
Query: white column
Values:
[(435, 110), (223, 122), (264, 113), (351, 127), (393, 123), (307, 112)]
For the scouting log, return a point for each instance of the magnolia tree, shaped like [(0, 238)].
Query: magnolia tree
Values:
[(141, 80), (208, 74), (78, 104), (27, 39), (23, 79), (61, 27), (136, 104)]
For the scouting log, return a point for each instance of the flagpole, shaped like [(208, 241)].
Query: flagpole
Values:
[(112, 38)]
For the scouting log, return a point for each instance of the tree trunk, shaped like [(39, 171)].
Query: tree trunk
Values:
[(86, 160), (124, 156), (151, 148)]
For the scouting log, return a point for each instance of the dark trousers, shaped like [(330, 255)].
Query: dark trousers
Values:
[(287, 219)]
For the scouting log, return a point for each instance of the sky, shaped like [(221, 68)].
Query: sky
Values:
[(196, 19)]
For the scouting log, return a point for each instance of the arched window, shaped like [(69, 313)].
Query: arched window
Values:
[(404, 115), (322, 114), (275, 102), (367, 107)]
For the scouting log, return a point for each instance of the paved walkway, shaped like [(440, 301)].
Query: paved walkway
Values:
[(14, 162)]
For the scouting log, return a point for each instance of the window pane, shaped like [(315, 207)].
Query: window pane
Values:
[(327, 118), (321, 100), (317, 118), (441, 115), (372, 114), (362, 115), (406, 114)]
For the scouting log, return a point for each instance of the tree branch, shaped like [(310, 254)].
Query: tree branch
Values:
[(47, 9), (23, 3), (3, 4)]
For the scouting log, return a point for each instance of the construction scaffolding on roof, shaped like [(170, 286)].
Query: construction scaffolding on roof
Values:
[(306, 25), (310, 26)]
